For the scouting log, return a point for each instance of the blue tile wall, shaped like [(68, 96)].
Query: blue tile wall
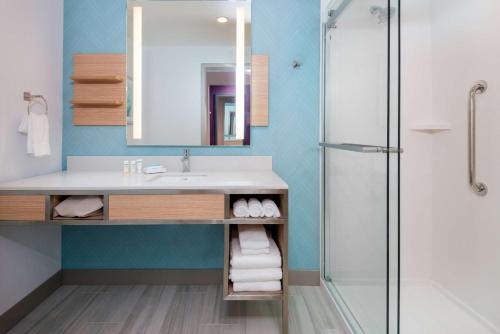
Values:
[(283, 29)]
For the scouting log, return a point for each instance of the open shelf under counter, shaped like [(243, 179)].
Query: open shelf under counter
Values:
[(257, 295), (255, 221)]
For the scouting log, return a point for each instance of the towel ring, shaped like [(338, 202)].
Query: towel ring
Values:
[(31, 98)]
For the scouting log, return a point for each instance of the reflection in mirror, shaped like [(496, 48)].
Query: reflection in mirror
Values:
[(189, 73)]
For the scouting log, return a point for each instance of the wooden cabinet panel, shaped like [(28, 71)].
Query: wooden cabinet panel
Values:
[(179, 207), (19, 207), (260, 90), (96, 116)]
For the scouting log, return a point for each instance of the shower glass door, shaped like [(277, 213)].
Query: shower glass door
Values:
[(361, 162)]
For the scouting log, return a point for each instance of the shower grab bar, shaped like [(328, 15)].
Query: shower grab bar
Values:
[(361, 148), (478, 187)]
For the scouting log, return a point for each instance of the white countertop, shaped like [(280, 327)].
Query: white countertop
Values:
[(116, 181)]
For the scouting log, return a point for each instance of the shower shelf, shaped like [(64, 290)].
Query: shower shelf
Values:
[(431, 127)]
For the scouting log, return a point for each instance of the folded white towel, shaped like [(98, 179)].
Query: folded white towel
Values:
[(78, 206), (240, 208), (240, 261), (252, 237), (38, 141), (246, 251), (255, 208), (257, 286), (270, 209), (255, 275)]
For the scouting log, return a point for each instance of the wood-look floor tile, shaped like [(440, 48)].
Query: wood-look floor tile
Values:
[(299, 319), (162, 311), (142, 314), (321, 309), (263, 317), (185, 313), (112, 305), (176, 310), (42, 310), (64, 313)]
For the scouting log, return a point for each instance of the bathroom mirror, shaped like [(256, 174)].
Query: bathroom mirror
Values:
[(188, 72)]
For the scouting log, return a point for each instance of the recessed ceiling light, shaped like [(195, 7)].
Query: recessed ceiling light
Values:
[(222, 19)]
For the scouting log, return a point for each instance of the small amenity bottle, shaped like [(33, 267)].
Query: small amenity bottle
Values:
[(126, 168)]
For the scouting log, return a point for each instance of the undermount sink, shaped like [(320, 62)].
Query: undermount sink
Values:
[(177, 177)]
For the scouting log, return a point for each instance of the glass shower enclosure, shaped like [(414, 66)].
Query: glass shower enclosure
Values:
[(360, 160)]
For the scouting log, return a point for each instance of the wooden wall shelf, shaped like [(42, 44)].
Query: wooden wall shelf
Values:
[(96, 103), (97, 79), (99, 89)]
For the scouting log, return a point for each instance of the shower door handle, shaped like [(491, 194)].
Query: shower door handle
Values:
[(361, 148), (478, 187)]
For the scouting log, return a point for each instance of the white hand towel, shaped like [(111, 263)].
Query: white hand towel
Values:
[(78, 206), (240, 261), (38, 141), (257, 286), (255, 208), (240, 208), (246, 251), (23, 127), (270, 209), (252, 237), (255, 275)]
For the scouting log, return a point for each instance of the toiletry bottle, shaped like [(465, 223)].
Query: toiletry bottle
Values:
[(126, 168), (133, 168), (139, 166)]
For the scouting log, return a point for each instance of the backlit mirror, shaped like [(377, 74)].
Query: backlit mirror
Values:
[(188, 73)]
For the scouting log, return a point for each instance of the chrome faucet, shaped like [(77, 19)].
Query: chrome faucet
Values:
[(186, 163)]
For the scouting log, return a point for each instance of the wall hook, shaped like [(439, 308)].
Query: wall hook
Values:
[(296, 65)]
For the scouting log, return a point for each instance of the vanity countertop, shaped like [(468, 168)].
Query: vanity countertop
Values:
[(116, 181)]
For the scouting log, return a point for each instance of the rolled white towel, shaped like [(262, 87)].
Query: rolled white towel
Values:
[(268, 286), (78, 206), (262, 261), (270, 209), (252, 237), (240, 208), (255, 208), (255, 275)]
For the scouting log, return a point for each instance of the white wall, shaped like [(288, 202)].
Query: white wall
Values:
[(31, 34), (466, 227)]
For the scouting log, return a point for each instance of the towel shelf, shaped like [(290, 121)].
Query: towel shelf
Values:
[(89, 79), (96, 103), (274, 295)]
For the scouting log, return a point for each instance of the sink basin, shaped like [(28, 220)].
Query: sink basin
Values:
[(177, 177)]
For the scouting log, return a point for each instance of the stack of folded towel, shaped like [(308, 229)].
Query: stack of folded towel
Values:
[(255, 208), (79, 207), (255, 260)]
